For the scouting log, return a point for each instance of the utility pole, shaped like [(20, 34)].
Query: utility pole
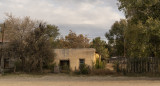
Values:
[(3, 33), (124, 47), (1, 47)]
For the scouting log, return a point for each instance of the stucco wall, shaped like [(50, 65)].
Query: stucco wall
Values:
[(73, 55)]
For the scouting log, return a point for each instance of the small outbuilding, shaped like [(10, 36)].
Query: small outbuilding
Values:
[(73, 58), (5, 62)]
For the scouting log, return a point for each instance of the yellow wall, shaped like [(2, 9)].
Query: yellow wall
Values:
[(96, 56)]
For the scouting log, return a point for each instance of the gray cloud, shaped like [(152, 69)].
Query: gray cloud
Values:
[(81, 16), (91, 31)]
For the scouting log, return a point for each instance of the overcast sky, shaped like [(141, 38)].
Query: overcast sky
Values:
[(89, 17)]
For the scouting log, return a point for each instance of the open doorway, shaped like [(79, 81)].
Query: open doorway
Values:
[(64, 65), (6, 63)]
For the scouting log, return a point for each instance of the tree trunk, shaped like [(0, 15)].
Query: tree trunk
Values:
[(23, 64), (41, 65)]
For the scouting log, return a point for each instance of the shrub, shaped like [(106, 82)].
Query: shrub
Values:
[(65, 68), (116, 67), (51, 67), (18, 65), (99, 64), (83, 69)]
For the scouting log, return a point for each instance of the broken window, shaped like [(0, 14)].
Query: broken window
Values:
[(81, 61)]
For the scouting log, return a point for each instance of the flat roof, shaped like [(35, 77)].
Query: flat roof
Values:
[(74, 49)]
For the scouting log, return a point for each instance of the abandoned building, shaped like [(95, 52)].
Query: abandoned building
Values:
[(65, 58), (73, 58), (5, 63)]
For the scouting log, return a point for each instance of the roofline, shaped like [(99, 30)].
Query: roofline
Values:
[(75, 49)]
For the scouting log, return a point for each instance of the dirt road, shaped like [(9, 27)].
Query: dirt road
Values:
[(66, 80)]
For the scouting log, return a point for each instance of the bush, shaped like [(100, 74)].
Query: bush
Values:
[(116, 67), (51, 67), (83, 69), (18, 65), (65, 68), (99, 64)]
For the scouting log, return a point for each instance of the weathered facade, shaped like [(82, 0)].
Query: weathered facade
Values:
[(71, 58), (5, 62), (74, 57)]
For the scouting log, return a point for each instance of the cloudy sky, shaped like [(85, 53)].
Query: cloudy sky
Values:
[(89, 17)]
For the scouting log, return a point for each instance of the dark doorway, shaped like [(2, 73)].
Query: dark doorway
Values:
[(6, 63), (64, 65)]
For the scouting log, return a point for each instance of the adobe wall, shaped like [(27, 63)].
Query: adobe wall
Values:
[(73, 55)]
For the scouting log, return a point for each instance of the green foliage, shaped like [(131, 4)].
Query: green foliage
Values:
[(51, 67), (143, 39), (84, 69), (117, 67), (65, 68), (140, 9), (52, 31), (101, 47), (39, 48), (116, 39), (72, 40), (153, 34), (30, 43), (136, 40), (143, 22), (18, 65), (99, 64)]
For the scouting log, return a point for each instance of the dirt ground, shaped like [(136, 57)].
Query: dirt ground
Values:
[(66, 80)]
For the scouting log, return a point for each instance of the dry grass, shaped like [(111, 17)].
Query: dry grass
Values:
[(102, 72)]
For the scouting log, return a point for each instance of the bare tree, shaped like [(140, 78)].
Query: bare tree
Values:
[(30, 41)]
